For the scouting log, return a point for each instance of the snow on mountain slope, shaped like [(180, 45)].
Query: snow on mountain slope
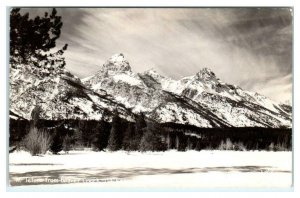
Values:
[(182, 114), (168, 100), (202, 100), (131, 80), (116, 78), (142, 93), (228, 102), (60, 94)]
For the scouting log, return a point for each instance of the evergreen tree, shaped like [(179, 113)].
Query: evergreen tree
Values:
[(140, 124), (85, 131), (151, 140), (140, 127), (101, 133), (97, 131), (129, 136), (57, 142), (78, 137), (31, 39), (115, 138), (35, 116)]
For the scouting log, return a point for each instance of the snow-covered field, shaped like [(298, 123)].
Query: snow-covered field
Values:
[(170, 170)]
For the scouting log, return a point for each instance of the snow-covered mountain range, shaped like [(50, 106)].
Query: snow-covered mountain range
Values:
[(201, 100), (60, 95)]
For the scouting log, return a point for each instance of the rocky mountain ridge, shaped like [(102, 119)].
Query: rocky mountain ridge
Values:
[(201, 100)]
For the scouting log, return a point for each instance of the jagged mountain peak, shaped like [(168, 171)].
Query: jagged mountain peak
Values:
[(117, 62), (206, 74), (118, 57), (200, 100), (153, 73)]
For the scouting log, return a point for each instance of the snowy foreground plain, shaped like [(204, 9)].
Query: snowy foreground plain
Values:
[(191, 170)]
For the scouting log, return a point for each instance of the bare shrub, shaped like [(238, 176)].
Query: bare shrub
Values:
[(278, 147), (281, 147), (239, 146), (67, 143), (227, 145), (271, 146), (37, 141)]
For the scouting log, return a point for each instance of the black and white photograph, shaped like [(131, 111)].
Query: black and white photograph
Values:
[(150, 98)]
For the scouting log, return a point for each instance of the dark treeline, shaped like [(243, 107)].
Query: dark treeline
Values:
[(118, 134), (143, 135), (184, 137)]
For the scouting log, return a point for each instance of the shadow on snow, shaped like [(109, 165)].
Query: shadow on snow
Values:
[(18, 179)]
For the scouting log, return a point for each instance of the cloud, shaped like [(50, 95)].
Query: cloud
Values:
[(277, 88), (243, 46)]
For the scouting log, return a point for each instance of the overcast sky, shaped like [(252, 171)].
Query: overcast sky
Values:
[(249, 47)]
